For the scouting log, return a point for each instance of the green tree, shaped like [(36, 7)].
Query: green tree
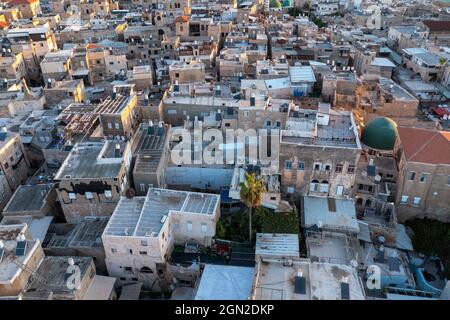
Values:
[(252, 190)]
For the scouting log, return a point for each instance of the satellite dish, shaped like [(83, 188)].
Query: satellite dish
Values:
[(354, 263), (319, 224), (378, 178), (71, 261), (364, 173), (381, 239), (21, 237), (2, 245)]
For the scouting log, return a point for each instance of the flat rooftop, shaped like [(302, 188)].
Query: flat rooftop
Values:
[(330, 213), (211, 101), (38, 227), (302, 74), (235, 283), (303, 129), (93, 160), (321, 281), (142, 216), (397, 92), (10, 262), (51, 275), (277, 244), (85, 234), (28, 198), (114, 106), (332, 247), (150, 148)]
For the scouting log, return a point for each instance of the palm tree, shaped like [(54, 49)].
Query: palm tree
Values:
[(252, 190)]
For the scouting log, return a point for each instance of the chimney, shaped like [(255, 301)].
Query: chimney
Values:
[(252, 100)]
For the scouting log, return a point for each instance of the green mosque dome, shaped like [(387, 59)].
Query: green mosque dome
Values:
[(380, 133), (275, 4)]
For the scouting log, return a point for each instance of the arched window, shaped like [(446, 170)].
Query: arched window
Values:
[(314, 186), (324, 186), (145, 270)]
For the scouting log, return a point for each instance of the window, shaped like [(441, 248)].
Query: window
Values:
[(288, 164), (113, 250), (88, 195), (324, 186), (246, 113), (338, 168), (301, 166), (204, 227), (109, 125), (317, 166), (416, 201), (128, 269), (146, 270), (6, 165), (117, 125), (412, 175), (404, 199), (130, 251), (314, 186), (327, 167), (424, 177), (143, 253), (142, 187), (189, 226), (351, 169), (72, 196), (448, 180)]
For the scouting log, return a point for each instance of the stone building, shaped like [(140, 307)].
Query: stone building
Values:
[(118, 114), (19, 258), (92, 179), (142, 232), (151, 156), (319, 153), (423, 187)]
